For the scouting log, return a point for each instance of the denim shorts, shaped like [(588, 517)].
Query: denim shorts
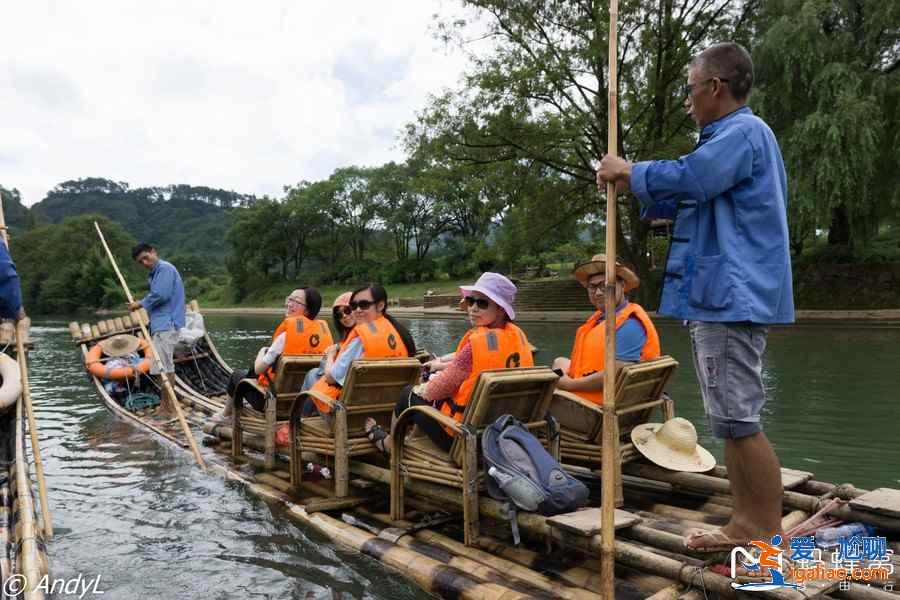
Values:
[(728, 362), (164, 342)]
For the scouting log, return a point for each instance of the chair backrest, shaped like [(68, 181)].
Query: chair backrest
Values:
[(290, 372), (640, 384), (524, 393), (636, 384), (373, 386)]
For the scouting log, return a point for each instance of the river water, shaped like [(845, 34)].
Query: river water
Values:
[(138, 514)]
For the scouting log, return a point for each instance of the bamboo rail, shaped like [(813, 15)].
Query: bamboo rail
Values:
[(22, 359)]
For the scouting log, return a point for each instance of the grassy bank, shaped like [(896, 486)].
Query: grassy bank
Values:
[(273, 297)]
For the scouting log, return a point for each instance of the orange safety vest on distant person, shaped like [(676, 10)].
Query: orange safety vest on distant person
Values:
[(302, 336), (589, 351), (379, 339), (492, 348)]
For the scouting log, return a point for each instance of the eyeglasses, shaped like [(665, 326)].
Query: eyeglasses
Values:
[(592, 288), (290, 301), (344, 311), (688, 88), (483, 303), (361, 304)]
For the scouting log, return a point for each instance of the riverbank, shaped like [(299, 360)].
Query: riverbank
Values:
[(887, 317)]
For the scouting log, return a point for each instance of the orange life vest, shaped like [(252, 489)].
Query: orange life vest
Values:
[(589, 351), (302, 336), (497, 348), (379, 340)]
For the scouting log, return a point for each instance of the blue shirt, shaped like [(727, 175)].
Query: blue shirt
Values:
[(10, 291), (165, 302), (729, 258)]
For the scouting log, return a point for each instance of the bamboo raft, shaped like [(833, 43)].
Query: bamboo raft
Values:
[(21, 524), (559, 555)]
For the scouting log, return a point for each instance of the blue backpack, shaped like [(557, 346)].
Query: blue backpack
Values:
[(522, 473)]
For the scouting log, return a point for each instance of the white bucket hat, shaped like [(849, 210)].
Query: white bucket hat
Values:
[(496, 287), (672, 445)]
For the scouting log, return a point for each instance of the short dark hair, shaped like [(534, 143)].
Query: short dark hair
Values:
[(142, 247), (313, 302), (731, 61)]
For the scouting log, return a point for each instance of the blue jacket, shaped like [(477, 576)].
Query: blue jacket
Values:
[(165, 302), (10, 291), (729, 258)]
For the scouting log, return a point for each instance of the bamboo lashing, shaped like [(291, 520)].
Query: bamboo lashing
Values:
[(22, 359), (610, 448), (163, 376)]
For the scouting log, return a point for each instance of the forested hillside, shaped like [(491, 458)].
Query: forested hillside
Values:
[(178, 218)]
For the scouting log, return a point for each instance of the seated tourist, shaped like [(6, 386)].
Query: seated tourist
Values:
[(376, 334), (494, 342), (636, 337), (299, 333), (344, 320)]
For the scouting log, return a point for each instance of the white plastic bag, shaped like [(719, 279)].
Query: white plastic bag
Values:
[(193, 329)]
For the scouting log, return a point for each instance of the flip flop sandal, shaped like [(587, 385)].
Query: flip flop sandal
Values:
[(378, 434), (717, 542)]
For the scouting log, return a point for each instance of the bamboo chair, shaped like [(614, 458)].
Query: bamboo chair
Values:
[(524, 393), (639, 392), (371, 389), (289, 374)]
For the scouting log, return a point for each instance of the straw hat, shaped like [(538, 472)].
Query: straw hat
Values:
[(672, 445), (597, 266), (120, 345)]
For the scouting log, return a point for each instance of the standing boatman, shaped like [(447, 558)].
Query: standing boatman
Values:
[(10, 289), (165, 305), (728, 272)]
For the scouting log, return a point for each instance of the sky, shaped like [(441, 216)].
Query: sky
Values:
[(244, 96)]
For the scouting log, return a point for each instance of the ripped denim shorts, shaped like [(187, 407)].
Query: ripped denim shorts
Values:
[(728, 362)]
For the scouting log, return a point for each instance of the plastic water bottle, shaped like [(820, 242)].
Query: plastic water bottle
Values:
[(829, 537), (316, 472)]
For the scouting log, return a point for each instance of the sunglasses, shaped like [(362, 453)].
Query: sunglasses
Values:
[(344, 311), (361, 305), (483, 303)]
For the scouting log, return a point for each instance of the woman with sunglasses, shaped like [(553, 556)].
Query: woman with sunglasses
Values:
[(494, 342), (376, 334)]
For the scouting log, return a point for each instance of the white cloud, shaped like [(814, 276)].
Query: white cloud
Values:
[(237, 95)]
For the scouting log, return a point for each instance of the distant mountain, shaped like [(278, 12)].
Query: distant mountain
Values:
[(177, 218)]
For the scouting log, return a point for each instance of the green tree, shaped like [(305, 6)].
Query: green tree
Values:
[(541, 96), (64, 268), (828, 82)]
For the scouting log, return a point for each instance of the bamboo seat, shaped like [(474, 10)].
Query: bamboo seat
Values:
[(639, 392), (371, 389), (289, 374), (524, 393)]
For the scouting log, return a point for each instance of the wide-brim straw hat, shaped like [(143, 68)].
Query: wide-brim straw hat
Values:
[(597, 266), (120, 345), (672, 445)]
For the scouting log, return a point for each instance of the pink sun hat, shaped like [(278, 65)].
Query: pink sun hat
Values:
[(342, 300), (496, 287)]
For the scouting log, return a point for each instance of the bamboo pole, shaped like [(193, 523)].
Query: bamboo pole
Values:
[(22, 359), (610, 448), (164, 379)]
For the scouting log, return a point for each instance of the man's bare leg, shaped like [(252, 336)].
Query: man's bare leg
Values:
[(166, 404), (755, 476)]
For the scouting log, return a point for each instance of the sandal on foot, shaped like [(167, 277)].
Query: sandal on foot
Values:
[(710, 541), (377, 434)]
